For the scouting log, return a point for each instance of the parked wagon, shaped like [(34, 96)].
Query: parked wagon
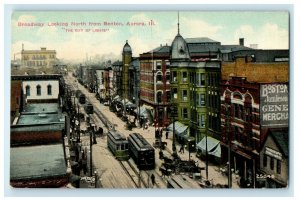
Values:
[(141, 152), (118, 145)]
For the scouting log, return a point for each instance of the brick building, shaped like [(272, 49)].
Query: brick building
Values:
[(254, 98), (155, 83)]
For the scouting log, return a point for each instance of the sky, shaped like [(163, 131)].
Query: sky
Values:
[(269, 30)]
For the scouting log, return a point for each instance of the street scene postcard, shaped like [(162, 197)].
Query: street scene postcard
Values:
[(149, 99)]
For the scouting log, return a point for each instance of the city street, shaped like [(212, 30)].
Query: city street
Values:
[(111, 175)]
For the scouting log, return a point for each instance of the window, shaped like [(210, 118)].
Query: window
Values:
[(278, 169), (202, 83), (265, 160), (175, 93), (202, 99), (159, 77), (184, 77), (185, 113), (158, 65), (184, 95), (198, 79), (27, 90), (38, 90), (202, 120), (49, 89), (167, 65), (174, 76), (272, 163)]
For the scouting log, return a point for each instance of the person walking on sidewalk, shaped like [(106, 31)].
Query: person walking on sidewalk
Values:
[(167, 134), (181, 150), (153, 179)]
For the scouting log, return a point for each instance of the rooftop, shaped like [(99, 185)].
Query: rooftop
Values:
[(37, 162), (282, 140), (201, 40), (41, 108), (41, 113)]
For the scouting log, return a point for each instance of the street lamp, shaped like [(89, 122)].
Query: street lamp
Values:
[(190, 139)]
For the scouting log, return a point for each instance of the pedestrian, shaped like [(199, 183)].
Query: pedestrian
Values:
[(181, 150), (167, 134), (153, 179), (161, 133), (142, 123), (157, 133)]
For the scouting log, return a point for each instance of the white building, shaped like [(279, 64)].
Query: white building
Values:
[(41, 88)]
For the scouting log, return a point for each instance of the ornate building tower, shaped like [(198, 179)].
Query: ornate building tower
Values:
[(126, 59)]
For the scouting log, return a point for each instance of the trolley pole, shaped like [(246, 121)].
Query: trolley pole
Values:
[(229, 146)]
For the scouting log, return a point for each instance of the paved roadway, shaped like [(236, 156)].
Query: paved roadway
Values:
[(112, 175)]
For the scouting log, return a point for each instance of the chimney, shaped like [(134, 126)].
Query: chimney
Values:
[(242, 41)]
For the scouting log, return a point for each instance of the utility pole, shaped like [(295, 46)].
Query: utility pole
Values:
[(229, 146)]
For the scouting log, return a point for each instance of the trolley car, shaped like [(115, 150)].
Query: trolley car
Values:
[(141, 152), (118, 145), (82, 99)]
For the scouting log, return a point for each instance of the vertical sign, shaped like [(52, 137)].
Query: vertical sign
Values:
[(274, 108)]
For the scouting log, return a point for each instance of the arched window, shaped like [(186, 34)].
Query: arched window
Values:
[(38, 90), (49, 89), (159, 77), (27, 90)]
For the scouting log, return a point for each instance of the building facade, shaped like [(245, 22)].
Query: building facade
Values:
[(126, 59), (274, 160), (254, 99), (194, 89), (40, 88), (38, 58), (155, 83)]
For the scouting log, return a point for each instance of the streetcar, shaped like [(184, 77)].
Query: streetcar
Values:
[(82, 99), (141, 152), (118, 145)]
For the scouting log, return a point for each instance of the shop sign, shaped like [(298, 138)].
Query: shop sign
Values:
[(274, 107)]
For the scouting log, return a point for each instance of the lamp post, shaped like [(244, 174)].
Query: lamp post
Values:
[(190, 139), (91, 132), (173, 109)]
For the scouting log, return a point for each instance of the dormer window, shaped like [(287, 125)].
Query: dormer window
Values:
[(181, 51)]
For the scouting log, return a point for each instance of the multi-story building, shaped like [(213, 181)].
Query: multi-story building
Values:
[(126, 59), (40, 88), (254, 98), (134, 80), (38, 130), (194, 89), (38, 58), (155, 83), (117, 78)]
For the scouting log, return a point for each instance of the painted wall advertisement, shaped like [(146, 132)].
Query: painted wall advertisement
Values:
[(274, 106)]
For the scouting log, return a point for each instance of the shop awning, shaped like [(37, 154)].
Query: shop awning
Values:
[(142, 112), (180, 129), (213, 146)]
